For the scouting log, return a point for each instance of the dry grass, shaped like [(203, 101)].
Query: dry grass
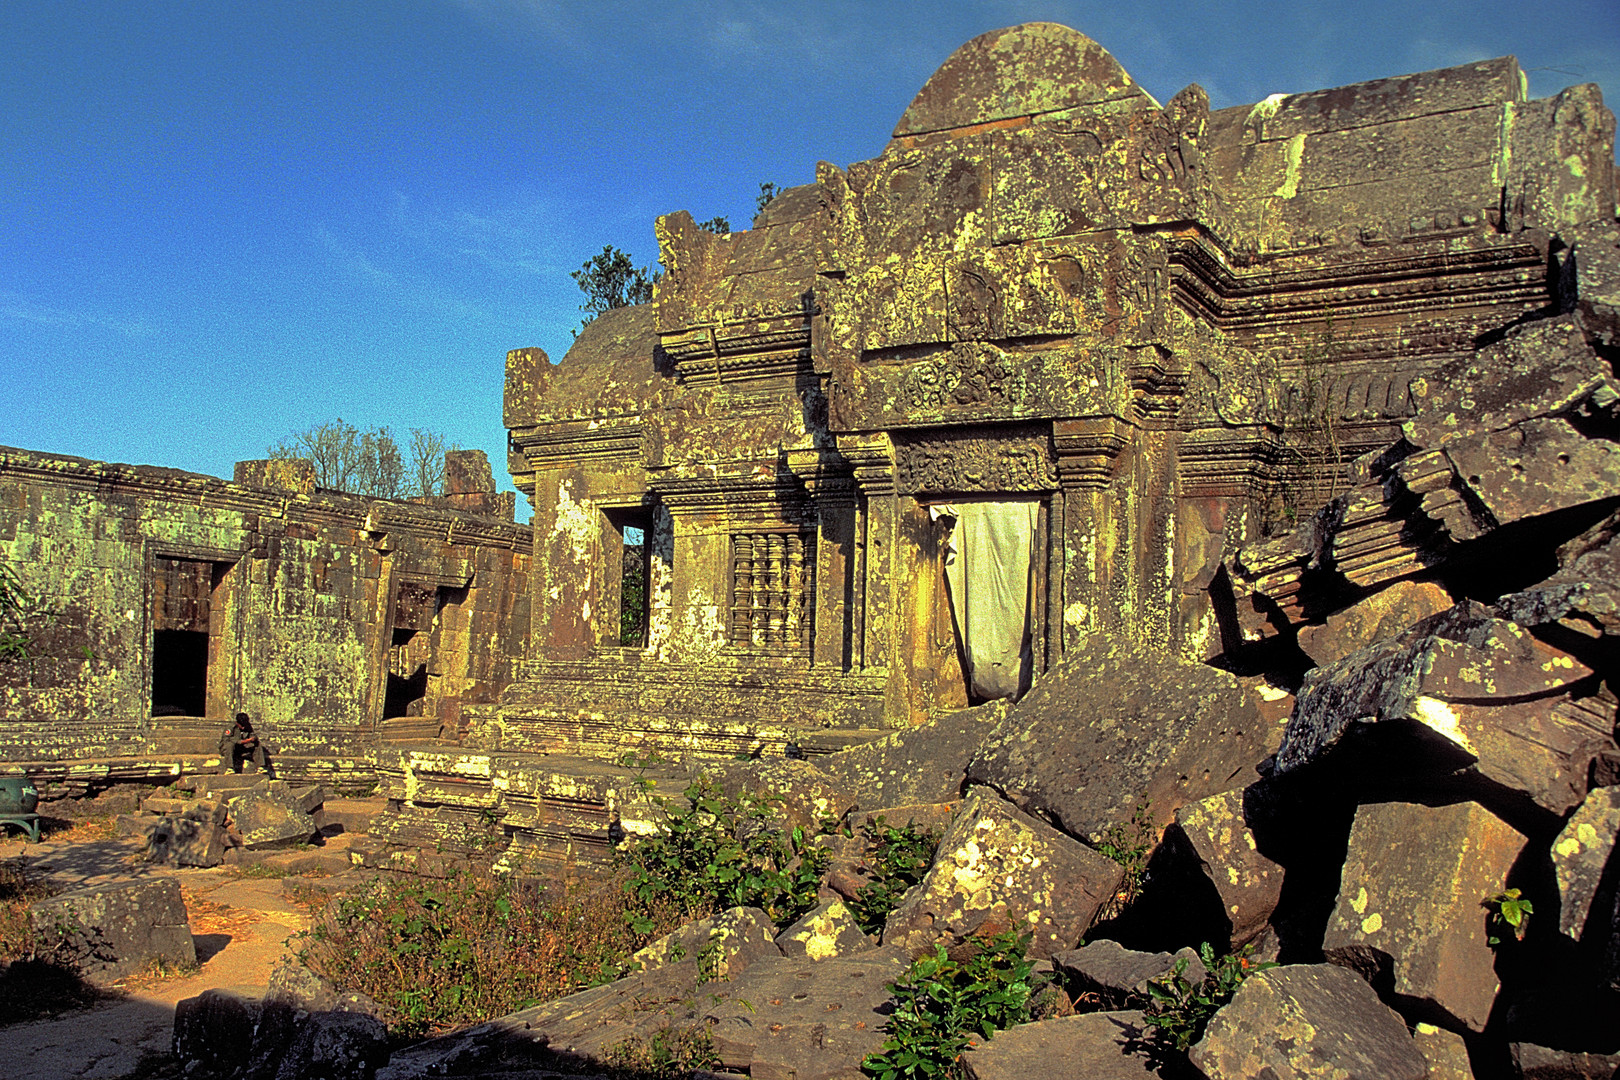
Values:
[(209, 917), (18, 889), (438, 954)]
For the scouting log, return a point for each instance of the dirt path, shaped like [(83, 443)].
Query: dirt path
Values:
[(241, 925)]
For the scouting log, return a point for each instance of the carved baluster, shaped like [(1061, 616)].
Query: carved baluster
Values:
[(742, 587), (776, 561), (793, 594)]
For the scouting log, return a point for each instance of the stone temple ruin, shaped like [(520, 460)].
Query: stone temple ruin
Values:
[(1064, 372)]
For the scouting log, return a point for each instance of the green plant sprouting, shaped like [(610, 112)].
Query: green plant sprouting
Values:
[(944, 1006), (1180, 1009), (1129, 845), (898, 858), (1510, 913)]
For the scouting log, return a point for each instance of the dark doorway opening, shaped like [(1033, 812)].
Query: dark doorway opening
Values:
[(180, 673), (184, 645), (407, 683)]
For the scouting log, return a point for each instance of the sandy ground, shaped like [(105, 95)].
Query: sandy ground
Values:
[(241, 925)]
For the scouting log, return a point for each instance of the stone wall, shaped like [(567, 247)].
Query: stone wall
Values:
[(331, 619)]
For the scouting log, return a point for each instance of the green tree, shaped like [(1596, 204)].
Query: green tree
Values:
[(767, 192), (610, 280), (716, 225)]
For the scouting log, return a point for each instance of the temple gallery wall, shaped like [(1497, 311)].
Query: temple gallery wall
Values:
[(1029, 378)]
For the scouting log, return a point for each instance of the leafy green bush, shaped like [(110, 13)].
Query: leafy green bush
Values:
[(899, 858), (944, 1006), (437, 954), (1180, 1010), (719, 852)]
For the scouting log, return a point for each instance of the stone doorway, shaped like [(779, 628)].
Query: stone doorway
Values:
[(185, 646)]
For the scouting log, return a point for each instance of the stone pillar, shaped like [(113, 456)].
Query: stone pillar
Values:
[(1084, 524)]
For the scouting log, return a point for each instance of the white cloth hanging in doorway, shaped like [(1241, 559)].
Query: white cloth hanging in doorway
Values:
[(987, 566)]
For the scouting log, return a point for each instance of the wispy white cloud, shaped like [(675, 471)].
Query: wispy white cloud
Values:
[(27, 309), (412, 290)]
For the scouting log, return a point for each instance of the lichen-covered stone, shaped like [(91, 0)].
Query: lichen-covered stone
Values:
[(1524, 714), (999, 869), (1116, 727), (828, 931), (1224, 850), (1410, 903), (1384, 614), (723, 945), (1445, 1051), (110, 931), (1307, 1020), (1091, 1046), (1580, 854), (1120, 976), (271, 816)]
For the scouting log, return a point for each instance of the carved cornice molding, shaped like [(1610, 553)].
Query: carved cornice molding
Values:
[(1087, 449), (1405, 281), (871, 459)]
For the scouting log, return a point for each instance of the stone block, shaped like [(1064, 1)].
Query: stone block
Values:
[(1308, 1020), (1445, 1051), (1481, 691), (214, 1032), (1115, 726), (1120, 976), (310, 798), (827, 931), (1409, 910), (110, 931), (723, 945), (1384, 614), (1545, 1063), (270, 816), (999, 869), (1580, 854), (182, 840), (1214, 838), (1092, 1046), (335, 1046)]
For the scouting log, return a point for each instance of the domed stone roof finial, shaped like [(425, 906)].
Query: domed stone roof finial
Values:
[(1021, 71)]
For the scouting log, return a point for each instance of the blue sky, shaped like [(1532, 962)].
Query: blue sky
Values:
[(224, 221)]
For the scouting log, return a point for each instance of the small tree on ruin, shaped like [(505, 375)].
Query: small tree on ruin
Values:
[(610, 280), (370, 462)]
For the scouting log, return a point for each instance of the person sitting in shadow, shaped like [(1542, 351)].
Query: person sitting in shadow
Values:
[(240, 746)]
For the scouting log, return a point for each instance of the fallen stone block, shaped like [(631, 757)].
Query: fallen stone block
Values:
[(826, 932), (1119, 976), (1545, 1063), (800, 1020), (1384, 614), (1212, 837), (999, 869), (1410, 904), (1092, 1046), (1115, 726), (1308, 1020), (1525, 716), (110, 931), (182, 840), (723, 945), (213, 1032), (1580, 855), (311, 798), (270, 816), (1445, 1051), (335, 1046)]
